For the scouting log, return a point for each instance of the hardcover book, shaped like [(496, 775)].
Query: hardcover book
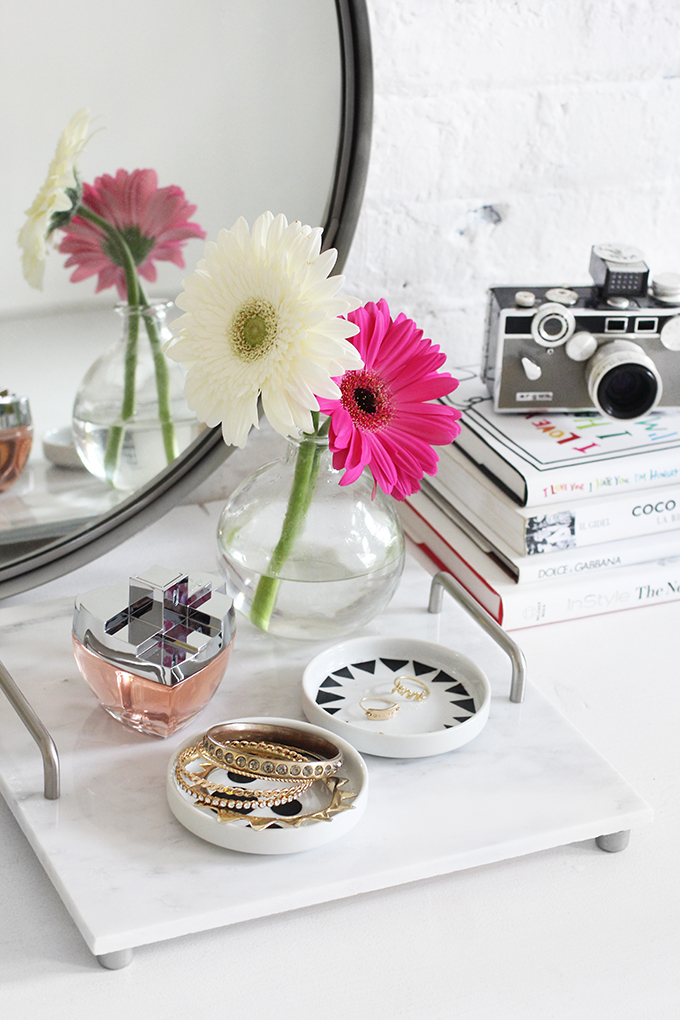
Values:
[(541, 457)]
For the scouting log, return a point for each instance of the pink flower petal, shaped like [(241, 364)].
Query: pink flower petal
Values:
[(385, 418), (129, 200)]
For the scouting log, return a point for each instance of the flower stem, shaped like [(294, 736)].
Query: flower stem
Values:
[(135, 298), (299, 501), (160, 365)]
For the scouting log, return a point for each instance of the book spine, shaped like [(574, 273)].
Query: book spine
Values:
[(628, 588), (620, 474)]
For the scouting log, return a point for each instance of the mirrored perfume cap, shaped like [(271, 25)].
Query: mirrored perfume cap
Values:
[(14, 410), (159, 624)]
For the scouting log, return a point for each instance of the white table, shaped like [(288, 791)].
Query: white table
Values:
[(569, 932)]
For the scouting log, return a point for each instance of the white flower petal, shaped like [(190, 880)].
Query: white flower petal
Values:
[(261, 317), (52, 197)]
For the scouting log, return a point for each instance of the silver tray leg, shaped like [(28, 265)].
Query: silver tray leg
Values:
[(115, 961), (443, 581), (614, 842)]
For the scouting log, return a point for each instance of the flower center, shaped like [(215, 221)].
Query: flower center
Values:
[(367, 399), (139, 244), (253, 329)]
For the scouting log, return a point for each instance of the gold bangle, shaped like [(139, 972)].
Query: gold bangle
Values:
[(319, 757), (399, 688), (341, 800), (254, 757), (380, 713)]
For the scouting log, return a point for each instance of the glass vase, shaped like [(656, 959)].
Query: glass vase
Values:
[(130, 416), (305, 557)]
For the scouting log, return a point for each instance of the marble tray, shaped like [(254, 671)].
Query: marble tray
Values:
[(130, 874)]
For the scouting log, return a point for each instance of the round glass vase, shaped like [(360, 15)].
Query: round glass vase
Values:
[(305, 557), (130, 416)]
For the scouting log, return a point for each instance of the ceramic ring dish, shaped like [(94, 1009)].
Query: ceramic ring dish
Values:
[(455, 710), (281, 836)]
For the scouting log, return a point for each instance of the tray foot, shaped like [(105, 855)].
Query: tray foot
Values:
[(115, 961), (614, 841)]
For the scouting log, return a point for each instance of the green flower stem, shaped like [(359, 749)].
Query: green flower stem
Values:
[(299, 501), (162, 383)]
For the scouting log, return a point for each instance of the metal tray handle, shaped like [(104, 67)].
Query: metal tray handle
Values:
[(444, 581), (48, 748)]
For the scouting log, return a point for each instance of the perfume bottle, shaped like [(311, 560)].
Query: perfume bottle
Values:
[(16, 437), (155, 648)]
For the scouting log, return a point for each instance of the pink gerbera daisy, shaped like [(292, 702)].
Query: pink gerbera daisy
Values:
[(153, 221), (384, 418)]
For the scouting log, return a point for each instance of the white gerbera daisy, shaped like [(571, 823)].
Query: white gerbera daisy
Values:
[(262, 318), (57, 195)]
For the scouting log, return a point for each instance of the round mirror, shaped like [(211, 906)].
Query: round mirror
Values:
[(246, 107)]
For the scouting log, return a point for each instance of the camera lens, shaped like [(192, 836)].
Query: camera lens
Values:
[(623, 381), (627, 391)]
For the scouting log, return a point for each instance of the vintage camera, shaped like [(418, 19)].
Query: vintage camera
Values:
[(613, 347)]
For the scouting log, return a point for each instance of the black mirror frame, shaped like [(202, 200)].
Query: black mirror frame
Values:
[(155, 499)]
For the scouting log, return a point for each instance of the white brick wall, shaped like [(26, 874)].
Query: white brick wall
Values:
[(508, 138)]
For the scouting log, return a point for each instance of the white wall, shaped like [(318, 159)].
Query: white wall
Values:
[(508, 138)]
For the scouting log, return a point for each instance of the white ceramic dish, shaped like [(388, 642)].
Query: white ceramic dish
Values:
[(60, 450), (455, 711), (239, 835)]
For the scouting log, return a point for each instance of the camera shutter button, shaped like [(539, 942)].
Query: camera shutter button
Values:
[(581, 346), (563, 295)]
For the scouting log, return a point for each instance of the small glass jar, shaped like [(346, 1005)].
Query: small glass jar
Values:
[(16, 437), (155, 649)]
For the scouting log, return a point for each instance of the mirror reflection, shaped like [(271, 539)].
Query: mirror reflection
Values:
[(241, 124)]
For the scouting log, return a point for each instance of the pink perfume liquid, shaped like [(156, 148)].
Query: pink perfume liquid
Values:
[(144, 704), (15, 446)]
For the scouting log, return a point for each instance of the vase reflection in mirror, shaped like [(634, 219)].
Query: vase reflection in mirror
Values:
[(154, 649), (130, 416), (16, 437)]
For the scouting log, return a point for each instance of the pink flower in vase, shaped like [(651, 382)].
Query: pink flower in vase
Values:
[(154, 222), (385, 418)]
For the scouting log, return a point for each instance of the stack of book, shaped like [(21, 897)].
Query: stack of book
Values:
[(545, 517)]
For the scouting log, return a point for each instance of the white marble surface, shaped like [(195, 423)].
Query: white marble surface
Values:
[(130, 874)]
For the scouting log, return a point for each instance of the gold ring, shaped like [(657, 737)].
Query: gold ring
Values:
[(380, 713), (399, 688)]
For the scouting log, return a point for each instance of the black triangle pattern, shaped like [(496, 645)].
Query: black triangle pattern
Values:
[(468, 705), (443, 678), (343, 671), (323, 697), (368, 666), (395, 664), (457, 689), (461, 718), (422, 667), (330, 682), (331, 711)]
